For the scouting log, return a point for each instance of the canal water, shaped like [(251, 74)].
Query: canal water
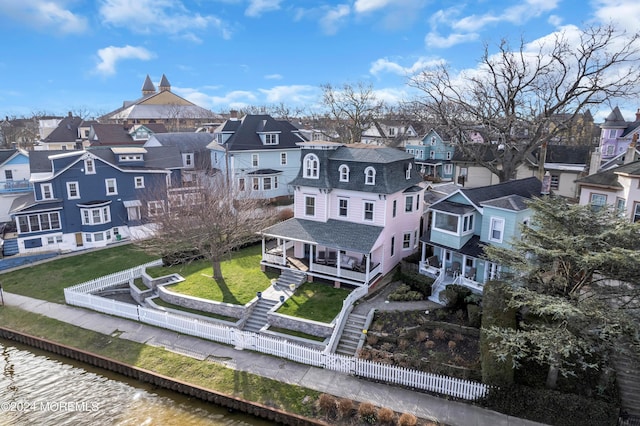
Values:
[(36, 388)]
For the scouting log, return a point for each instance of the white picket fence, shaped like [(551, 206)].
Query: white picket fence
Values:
[(79, 295)]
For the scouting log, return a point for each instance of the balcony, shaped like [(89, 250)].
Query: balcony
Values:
[(11, 186)]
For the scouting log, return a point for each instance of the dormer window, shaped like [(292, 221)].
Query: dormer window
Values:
[(433, 141), (370, 176), (311, 166), (271, 139), (344, 173), (136, 157)]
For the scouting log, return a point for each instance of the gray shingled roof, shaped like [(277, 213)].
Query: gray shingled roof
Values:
[(338, 234), (246, 136), (67, 130), (185, 141), (455, 208), (39, 160), (609, 178), (112, 134), (27, 203), (473, 247), (5, 154), (508, 202), (527, 188)]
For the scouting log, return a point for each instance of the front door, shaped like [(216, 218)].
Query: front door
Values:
[(79, 241)]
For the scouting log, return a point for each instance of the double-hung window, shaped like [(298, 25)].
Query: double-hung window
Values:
[(73, 191), (368, 210), (343, 207), (496, 230), (309, 206), (112, 186)]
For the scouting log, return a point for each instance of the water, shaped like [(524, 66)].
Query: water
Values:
[(38, 389)]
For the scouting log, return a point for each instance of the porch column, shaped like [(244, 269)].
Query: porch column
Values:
[(283, 248), (338, 256), (367, 265), (463, 267), (423, 253)]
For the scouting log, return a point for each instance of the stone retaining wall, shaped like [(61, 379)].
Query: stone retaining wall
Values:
[(302, 325), (204, 305)]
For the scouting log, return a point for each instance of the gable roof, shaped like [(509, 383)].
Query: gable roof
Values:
[(245, 133), (609, 178), (184, 141), (67, 131), (7, 154), (527, 188), (112, 134)]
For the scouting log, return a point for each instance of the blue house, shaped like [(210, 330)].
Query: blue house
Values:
[(463, 222), (258, 153), (434, 155), (90, 198)]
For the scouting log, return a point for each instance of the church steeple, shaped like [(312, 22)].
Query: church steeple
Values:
[(148, 88), (164, 84)]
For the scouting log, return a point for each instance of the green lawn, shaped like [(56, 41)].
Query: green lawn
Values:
[(315, 302), (47, 280), (242, 277)]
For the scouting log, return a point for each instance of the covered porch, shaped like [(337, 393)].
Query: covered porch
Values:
[(325, 250)]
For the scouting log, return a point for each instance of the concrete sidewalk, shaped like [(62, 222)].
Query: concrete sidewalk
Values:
[(334, 383)]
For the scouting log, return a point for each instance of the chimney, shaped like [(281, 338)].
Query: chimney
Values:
[(594, 163), (233, 115), (638, 115), (70, 114), (546, 184), (630, 156)]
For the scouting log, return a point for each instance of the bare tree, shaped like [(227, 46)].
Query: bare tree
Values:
[(209, 220), (513, 95), (353, 108)]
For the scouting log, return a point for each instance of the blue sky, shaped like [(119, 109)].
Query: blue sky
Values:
[(66, 55)]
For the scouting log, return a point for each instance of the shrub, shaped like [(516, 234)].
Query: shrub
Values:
[(452, 345), (474, 314), (404, 293), (421, 336), (429, 344), (439, 334), (407, 419), (385, 415), (372, 339), (367, 412), (417, 282), (455, 296), (403, 344), (327, 404), (345, 408)]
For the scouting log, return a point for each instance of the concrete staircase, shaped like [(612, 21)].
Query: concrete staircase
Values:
[(628, 378), (348, 343), (258, 317), (290, 276), (10, 247)]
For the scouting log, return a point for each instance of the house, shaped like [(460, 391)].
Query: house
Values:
[(434, 156), (617, 187), (14, 172), (109, 134), (258, 153), (90, 198), (465, 221), (65, 136), (615, 137), (196, 158), (389, 133), (18, 132), (357, 213), (563, 164), (160, 106)]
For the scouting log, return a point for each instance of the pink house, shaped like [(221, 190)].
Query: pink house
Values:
[(357, 213)]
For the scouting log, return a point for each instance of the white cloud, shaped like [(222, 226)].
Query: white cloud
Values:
[(555, 20), (334, 18), (236, 98), (622, 13), (518, 15), (109, 56), (384, 65), (159, 16), (434, 39), (258, 7), (273, 77), (44, 14), (291, 95), (362, 6)]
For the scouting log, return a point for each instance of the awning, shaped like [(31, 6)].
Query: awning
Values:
[(132, 203)]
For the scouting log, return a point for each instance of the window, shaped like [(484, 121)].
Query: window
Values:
[(54, 240), (406, 240), (418, 202), (112, 188), (393, 246), (136, 157), (254, 160), (283, 158), (309, 206), (394, 209), (37, 222), (408, 204), (433, 141), (155, 208), (241, 184), (8, 174), (448, 169), (139, 181), (368, 210), (610, 150), (343, 207), (275, 182), (344, 173), (496, 229), (463, 171), (255, 183), (188, 160), (72, 190), (266, 183), (311, 166), (620, 205), (448, 155), (47, 191), (446, 222), (555, 181), (370, 176), (467, 223), (392, 131), (95, 216), (598, 201), (271, 139), (636, 212), (89, 167), (432, 155)]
